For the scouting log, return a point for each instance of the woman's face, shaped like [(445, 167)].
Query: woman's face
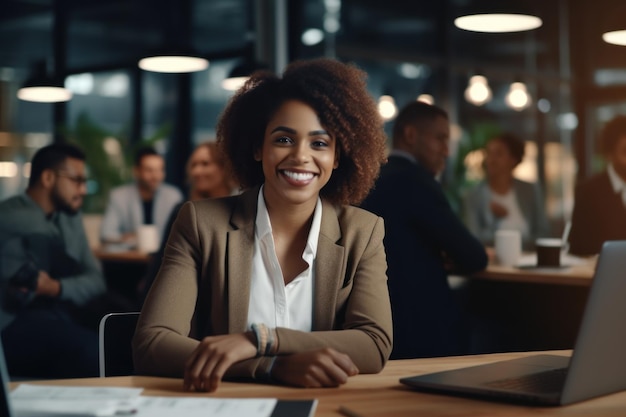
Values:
[(205, 174), (498, 159), (298, 156)]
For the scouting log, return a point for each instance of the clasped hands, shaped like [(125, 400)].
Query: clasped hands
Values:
[(208, 363)]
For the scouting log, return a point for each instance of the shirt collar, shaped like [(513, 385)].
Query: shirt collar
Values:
[(403, 154), (264, 226), (617, 182)]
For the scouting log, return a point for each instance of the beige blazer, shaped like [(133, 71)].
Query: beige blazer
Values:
[(203, 288)]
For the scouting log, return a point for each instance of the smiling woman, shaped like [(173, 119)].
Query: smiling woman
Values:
[(287, 280)]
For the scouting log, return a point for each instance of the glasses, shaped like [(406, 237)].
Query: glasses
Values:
[(77, 179)]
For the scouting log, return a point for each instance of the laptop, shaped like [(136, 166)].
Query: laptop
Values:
[(5, 405), (597, 366)]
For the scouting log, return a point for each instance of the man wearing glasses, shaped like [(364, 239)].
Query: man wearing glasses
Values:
[(47, 271)]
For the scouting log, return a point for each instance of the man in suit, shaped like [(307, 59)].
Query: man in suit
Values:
[(424, 239), (47, 271), (146, 201), (600, 201)]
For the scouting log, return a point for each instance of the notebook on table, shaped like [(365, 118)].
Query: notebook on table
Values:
[(596, 367)]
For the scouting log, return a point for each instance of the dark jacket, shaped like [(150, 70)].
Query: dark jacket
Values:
[(422, 236), (599, 215)]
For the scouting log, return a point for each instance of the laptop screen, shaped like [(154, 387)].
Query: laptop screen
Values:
[(5, 407)]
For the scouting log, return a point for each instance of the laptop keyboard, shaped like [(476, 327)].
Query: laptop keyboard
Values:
[(540, 382)]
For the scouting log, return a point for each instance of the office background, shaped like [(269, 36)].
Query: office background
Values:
[(574, 80)]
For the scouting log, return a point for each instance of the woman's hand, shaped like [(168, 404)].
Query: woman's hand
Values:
[(213, 356), (498, 210), (317, 368)]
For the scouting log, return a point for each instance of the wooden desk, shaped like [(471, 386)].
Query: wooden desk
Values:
[(379, 395), (124, 271), (127, 256), (527, 308), (580, 274)]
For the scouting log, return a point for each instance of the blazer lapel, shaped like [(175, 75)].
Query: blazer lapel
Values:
[(328, 269), (240, 248)]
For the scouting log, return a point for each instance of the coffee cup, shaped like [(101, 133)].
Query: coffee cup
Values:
[(508, 247), (548, 251), (148, 238)]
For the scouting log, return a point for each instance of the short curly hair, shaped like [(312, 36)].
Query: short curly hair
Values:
[(514, 143), (612, 132), (337, 93)]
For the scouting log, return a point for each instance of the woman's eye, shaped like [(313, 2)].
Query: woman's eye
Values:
[(283, 139), (320, 144)]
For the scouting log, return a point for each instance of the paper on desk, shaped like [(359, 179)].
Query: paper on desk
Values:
[(202, 407), (53, 400), (59, 392)]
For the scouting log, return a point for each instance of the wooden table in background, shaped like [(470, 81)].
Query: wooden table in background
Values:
[(124, 271), (528, 308), (379, 395)]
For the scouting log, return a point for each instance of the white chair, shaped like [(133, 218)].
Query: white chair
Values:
[(116, 333)]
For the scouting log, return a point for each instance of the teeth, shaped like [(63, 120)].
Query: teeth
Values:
[(299, 176)]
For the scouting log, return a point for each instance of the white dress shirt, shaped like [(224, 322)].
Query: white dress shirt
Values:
[(271, 301), (618, 184)]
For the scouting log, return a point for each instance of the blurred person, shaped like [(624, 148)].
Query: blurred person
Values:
[(148, 200), (48, 273), (600, 201), (208, 177), (424, 239), (285, 282), (502, 201)]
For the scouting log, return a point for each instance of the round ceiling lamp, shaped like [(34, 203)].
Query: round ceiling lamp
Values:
[(42, 88), (498, 22), (615, 37), (173, 63)]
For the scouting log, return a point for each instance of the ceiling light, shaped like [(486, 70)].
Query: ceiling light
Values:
[(42, 88), (517, 98), (387, 107), (240, 74), (615, 37), (173, 63), (478, 91), (497, 22)]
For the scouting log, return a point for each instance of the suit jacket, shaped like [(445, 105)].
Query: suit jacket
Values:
[(124, 212), (423, 235), (481, 222), (599, 215), (203, 288)]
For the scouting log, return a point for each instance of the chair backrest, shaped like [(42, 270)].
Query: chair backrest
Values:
[(116, 334)]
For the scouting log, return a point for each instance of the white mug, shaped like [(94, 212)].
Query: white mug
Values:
[(508, 247), (148, 238)]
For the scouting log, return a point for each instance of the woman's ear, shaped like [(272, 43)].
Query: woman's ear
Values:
[(257, 155)]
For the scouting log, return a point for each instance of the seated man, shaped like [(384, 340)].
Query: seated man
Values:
[(146, 201), (424, 239), (47, 271), (600, 201)]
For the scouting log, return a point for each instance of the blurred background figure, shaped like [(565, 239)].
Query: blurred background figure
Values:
[(425, 240), (208, 177), (207, 174), (146, 201), (502, 201), (600, 202)]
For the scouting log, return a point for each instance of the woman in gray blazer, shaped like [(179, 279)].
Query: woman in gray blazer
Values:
[(502, 201), (286, 281)]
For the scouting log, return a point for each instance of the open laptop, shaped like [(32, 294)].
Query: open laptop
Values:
[(5, 405), (597, 366)]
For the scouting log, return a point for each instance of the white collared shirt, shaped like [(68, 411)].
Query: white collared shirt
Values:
[(271, 301), (618, 184)]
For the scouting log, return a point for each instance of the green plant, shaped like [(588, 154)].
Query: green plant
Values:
[(109, 157)]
